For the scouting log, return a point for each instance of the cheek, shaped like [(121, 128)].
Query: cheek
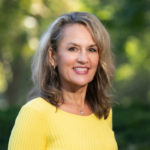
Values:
[(65, 61), (95, 61)]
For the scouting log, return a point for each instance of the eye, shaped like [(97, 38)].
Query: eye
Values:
[(92, 50), (72, 48)]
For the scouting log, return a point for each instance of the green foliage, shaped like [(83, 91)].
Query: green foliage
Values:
[(131, 126), (7, 120)]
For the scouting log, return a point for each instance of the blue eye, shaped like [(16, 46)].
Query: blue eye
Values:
[(72, 49)]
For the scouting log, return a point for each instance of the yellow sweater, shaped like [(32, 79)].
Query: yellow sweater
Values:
[(39, 127)]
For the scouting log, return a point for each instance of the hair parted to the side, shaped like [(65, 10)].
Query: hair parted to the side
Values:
[(46, 78)]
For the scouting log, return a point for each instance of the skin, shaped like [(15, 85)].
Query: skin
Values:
[(77, 48)]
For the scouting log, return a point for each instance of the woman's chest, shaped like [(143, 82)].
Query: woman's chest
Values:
[(83, 134)]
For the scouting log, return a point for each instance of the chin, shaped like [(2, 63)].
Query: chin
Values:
[(81, 83), (77, 81)]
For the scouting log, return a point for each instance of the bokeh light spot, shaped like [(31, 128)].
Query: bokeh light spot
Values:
[(123, 72), (33, 43), (107, 13), (30, 22)]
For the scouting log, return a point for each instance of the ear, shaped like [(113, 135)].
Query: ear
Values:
[(52, 57)]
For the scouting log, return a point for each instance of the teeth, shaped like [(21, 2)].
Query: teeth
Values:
[(81, 69)]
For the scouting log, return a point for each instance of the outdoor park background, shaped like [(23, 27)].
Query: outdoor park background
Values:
[(22, 22)]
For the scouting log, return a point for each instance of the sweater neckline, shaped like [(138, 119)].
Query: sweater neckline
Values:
[(70, 114), (74, 115)]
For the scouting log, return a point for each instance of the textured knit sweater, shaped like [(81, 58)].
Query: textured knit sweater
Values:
[(39, 127)]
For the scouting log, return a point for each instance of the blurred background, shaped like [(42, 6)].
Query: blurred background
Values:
[(22, 22)]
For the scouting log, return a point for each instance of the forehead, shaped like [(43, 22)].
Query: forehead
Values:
[(76, 31)]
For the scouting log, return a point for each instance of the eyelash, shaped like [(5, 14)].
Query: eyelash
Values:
[(73, 48), (93, 49)]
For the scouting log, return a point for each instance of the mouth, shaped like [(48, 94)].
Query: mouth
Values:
[(81, 70)]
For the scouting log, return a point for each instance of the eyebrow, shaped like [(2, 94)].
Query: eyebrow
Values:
[(92, 45)]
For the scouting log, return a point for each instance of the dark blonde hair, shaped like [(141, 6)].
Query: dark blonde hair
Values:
[(46, 78)]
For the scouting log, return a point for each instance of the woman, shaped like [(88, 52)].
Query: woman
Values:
[(71, 70)]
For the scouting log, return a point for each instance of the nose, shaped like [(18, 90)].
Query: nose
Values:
[(83, 57)]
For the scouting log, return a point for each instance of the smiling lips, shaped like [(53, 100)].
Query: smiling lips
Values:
[(81, 70)]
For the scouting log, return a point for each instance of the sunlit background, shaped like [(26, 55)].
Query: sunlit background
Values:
[(22, 23)]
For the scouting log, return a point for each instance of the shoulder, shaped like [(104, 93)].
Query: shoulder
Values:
[(38, 105), (30, 129), (36, 101)]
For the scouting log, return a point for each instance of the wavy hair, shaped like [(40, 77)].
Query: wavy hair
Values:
[(46, 78)]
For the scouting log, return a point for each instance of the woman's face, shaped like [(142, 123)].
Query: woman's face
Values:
[(77, 56)]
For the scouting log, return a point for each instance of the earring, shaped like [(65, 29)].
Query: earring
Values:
[(54, 67)]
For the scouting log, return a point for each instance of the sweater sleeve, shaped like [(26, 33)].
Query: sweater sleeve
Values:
[(109, 119), (29, 132)]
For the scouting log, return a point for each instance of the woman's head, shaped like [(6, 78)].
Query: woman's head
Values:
[(74, 40), (76, 57)]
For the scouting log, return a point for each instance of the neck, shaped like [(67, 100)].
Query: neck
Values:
[(74, 96)]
